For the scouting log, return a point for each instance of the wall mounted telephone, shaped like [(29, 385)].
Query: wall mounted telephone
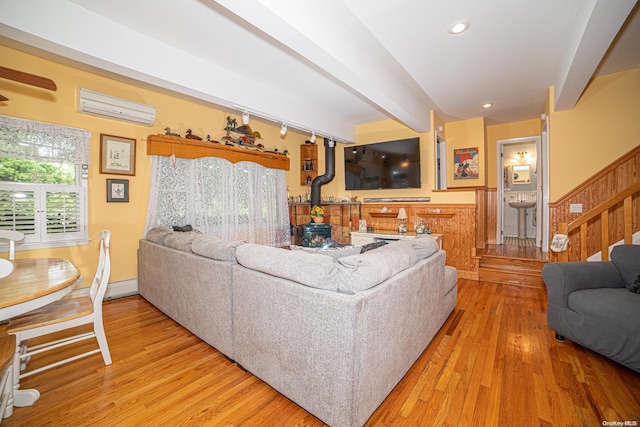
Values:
[(559, 242)]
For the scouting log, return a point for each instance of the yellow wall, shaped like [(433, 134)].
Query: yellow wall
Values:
[(466, 134), (496, 133), (125, 220), (387, 130), (603, 126)]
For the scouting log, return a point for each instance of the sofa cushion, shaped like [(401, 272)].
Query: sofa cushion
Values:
[(334, 253), (317, 271), (181, 241), (424, 245), (158, 234), (212, 247), (359, 272), (627, 259)]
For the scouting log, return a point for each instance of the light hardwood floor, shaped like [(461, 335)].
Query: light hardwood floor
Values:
[(494, 363)]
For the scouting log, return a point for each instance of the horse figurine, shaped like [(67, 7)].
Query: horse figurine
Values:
[(231, 123)]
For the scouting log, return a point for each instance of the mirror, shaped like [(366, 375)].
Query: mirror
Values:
[(521, 174)]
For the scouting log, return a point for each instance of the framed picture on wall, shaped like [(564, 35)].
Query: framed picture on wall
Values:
[(117, 155), (465, 163), (117, 190)]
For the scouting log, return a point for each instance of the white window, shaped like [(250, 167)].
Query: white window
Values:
[(42, 192)]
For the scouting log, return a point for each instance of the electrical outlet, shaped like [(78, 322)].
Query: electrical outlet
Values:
[(575, 208)]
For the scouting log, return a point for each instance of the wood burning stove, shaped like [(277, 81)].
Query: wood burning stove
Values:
[(315, 235)]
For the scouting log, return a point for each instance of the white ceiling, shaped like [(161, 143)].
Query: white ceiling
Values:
[(330, 66)]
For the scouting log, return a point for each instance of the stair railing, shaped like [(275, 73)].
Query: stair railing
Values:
[(601, 211)]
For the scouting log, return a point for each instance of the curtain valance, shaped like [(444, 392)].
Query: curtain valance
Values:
[(45, 142)]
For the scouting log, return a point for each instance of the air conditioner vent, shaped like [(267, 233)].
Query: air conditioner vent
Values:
[(99, 104)]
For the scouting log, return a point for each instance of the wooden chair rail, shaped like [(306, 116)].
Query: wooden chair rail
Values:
[(601, 211)]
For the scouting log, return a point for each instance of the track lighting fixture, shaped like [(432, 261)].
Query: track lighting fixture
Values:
[(246, 114)]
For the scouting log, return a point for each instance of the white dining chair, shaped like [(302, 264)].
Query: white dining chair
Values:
[(7, 351), (64, 314), (6, 267), (12, 236)]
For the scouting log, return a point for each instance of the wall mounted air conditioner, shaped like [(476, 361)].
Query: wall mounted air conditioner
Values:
[(99, 104)]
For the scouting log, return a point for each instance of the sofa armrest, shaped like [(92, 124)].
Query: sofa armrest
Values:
[(562, 278)]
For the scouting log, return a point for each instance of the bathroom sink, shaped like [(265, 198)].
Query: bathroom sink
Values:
[(522, 205)]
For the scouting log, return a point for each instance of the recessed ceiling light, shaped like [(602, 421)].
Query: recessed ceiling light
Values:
[(487, 105), (459, 27)]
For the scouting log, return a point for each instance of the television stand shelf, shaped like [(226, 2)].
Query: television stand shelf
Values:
[(384, 214), (359, 238)]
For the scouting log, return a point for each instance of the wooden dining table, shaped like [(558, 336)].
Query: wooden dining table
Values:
[(33, 283)]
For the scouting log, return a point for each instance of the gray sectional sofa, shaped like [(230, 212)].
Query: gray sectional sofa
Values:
[(333, 335), (597, 304)]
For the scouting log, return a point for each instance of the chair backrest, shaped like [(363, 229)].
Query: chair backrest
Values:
[(101, 278), (6, 267), (12, 236)]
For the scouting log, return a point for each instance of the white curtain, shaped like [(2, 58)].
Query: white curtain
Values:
[(43, 142), (241, 201)]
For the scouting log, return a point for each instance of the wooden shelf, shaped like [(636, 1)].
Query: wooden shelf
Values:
[(308, 157), (435, 215), (384, 214), (165, 145)]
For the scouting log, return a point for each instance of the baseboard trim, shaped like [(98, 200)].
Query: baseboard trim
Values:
[(124, 288)]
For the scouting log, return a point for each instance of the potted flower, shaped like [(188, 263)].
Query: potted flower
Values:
[(317, 213)]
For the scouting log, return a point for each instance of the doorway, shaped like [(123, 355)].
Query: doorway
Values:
[(521, 192), (441, 162)]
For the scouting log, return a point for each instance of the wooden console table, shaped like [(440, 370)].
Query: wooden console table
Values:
[(360, 238)]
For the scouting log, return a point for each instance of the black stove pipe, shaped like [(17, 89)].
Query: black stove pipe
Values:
[(330, 171)]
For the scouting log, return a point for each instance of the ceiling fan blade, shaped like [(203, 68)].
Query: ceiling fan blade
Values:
[(30, 79), (3, 98)]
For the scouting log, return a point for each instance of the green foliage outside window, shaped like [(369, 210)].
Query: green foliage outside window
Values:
[(17, 170)]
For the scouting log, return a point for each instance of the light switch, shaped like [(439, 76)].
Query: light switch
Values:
[(575, 208)]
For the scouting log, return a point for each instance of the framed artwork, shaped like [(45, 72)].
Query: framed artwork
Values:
[(117, 155), (465, 163), (117, 190)]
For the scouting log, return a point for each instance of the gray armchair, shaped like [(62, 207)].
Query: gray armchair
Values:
[(591, 303)]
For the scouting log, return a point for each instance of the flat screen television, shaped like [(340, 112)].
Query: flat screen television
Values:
[(383, 165)]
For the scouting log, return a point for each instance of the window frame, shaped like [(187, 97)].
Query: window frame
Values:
[(42, 239), (50, 143)]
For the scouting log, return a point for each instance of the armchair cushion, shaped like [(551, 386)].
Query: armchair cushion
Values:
[(635, 286), (627, 259)]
